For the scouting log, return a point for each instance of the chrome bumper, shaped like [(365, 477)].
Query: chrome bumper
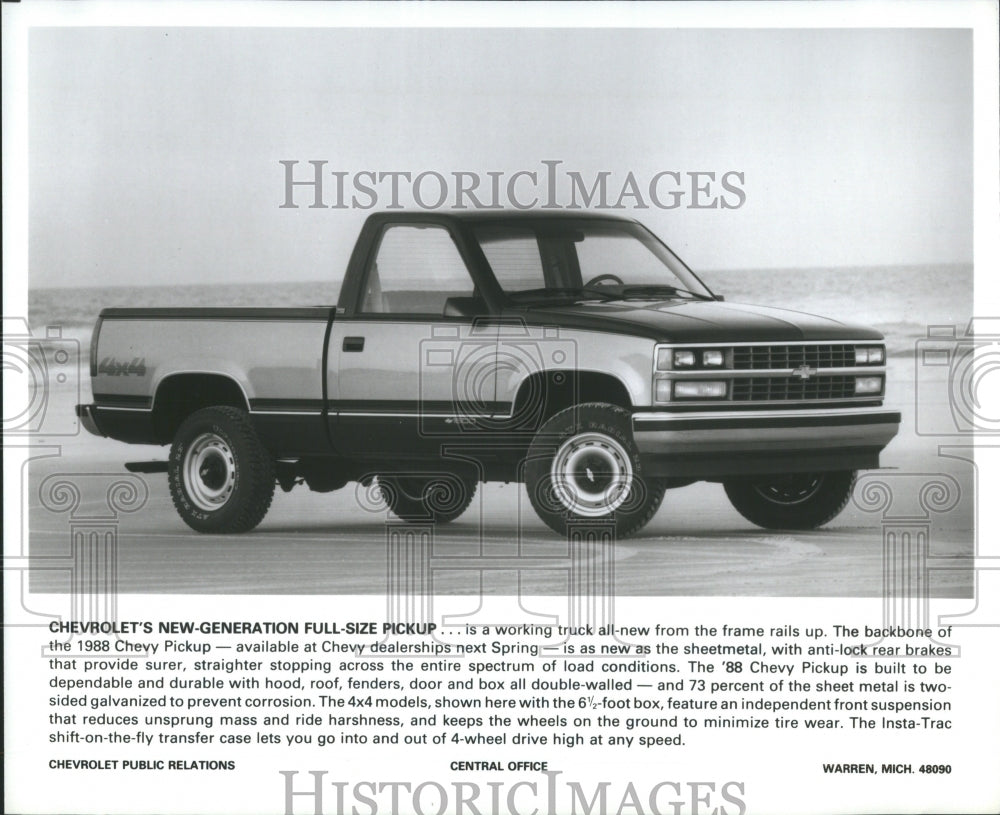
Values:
[(763, 431)]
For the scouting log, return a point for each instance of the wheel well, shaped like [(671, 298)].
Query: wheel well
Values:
[(545, 393), (180, 395)]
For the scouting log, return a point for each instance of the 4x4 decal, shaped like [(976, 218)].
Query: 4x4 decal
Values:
[(109, 366)]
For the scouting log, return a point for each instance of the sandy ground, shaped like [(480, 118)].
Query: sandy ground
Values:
[(697, 545)]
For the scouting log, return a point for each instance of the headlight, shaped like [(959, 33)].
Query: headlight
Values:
[(867, 385), (684, 359), (869, 355), (712, 359), (679, 358), (702, 389)]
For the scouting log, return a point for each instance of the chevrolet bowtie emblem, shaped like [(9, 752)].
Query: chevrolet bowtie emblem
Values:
[(803, 372)]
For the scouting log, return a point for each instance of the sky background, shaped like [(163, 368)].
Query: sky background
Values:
[(153, 153)]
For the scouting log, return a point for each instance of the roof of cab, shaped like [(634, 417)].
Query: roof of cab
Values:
[(494, 215)]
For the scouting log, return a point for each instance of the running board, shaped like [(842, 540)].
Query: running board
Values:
[(146, 466)]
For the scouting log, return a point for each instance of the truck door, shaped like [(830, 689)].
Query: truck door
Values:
[(414, 364)]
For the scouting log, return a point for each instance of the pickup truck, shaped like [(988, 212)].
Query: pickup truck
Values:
[(573, 352)]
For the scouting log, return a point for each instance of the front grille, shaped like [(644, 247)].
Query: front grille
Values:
[(787, 388), (772, 357), (780, 374)]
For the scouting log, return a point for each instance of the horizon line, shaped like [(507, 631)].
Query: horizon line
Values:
[(699, 272)]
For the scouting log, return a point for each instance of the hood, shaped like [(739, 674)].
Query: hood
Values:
[(695, 321)]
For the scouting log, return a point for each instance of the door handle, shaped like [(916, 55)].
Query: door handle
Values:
[(354, 344)]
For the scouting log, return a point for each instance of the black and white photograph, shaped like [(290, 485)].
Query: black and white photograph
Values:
[(414, 313), (611, 340)]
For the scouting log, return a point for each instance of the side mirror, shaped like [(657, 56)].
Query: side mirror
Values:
[(720, 297)]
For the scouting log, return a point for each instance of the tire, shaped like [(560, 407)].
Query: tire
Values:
[(583, 465), (436, 499), (221, 476), (794, 501)]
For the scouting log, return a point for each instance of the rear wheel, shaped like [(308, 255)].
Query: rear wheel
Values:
[(792, 501), (583, 465), (221, 476), (429, 498)]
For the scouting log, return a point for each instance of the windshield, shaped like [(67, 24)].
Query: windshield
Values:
[(584, 259)]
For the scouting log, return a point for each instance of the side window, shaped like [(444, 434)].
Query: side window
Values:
[(415, 270), (514, 259)]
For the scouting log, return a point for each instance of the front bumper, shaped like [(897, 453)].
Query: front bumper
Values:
[(721, 444)]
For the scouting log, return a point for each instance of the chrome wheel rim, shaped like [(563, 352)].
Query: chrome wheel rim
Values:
[(790, 490), (209, 472), (591, 475)]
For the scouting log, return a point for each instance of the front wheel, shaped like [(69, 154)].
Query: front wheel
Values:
[(221, 476), (793, 501), (583, 467)]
